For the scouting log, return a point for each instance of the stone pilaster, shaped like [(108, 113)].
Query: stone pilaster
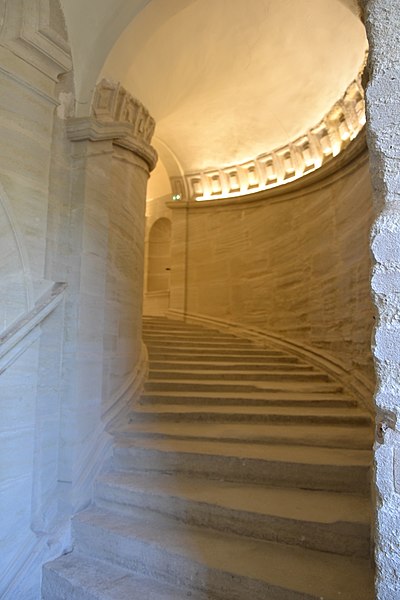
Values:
[(112, 158)]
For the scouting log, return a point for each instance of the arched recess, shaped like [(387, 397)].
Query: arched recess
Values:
[(158, 267), (159, 256)]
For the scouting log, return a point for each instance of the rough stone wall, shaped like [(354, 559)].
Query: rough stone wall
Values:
[(298, 268), (383, 115)]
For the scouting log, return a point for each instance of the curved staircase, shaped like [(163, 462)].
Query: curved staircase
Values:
[(243, 474)]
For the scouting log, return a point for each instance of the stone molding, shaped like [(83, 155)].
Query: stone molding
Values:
[(128, 394), (347, 161), (118, 117), (34, 30), (296, 159), (15, 340), (112, 102)]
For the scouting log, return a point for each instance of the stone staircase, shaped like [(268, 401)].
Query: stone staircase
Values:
[(243, 474)]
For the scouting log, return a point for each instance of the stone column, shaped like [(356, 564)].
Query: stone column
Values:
[(112, 158), (383, 117)]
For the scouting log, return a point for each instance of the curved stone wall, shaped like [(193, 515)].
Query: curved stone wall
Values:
[(296, 265), (297, 158)]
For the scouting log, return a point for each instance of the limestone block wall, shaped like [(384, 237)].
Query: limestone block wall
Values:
[(72, 196), (383, 113), (123, 310), (296, 266), (34, 53)]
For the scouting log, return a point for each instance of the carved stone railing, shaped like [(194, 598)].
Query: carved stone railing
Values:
[(290, 162), (15, 340)]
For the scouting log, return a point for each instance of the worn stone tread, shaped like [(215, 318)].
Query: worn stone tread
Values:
[(78, 577), (284, 398), (237, 386), (324, 521), (264, 375), (216, 562), (256, 414), (335, 436), (292, 454), (223, 366), (329, 469)]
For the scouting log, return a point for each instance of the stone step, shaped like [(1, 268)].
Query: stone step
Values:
[(268, 398), (255, 414), (214, 343), (77, 577), (231, 366), (275, 465), (255, 386), (150, 324), (334, 436), (282, 375), (184, 336), (222, 350), (249, 358), (329, 522), (221, 565)]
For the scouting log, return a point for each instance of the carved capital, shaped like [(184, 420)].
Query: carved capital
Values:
[(113, 103), (35, 31), (118, 117), (120, 133)]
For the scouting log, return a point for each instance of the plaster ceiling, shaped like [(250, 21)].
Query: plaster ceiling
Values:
[(227, 80)]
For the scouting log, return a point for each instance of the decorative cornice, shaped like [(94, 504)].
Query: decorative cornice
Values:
[(112, 102), (34, 30), (289, 163), (353, 157), (118, 117)]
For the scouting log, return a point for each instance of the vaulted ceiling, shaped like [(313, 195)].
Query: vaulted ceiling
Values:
[(226, 80)]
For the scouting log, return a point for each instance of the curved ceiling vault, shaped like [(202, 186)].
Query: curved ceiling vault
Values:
[(228, 80)]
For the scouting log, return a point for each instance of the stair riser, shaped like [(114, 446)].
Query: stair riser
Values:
[(239, 345), (228, 417), (190, 400), (216, 351), (336, 478), (226, 387), (351, 539), (308, 440), (193, 338), (249, 368), (248, 358), (280, 376), (151, 560)]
